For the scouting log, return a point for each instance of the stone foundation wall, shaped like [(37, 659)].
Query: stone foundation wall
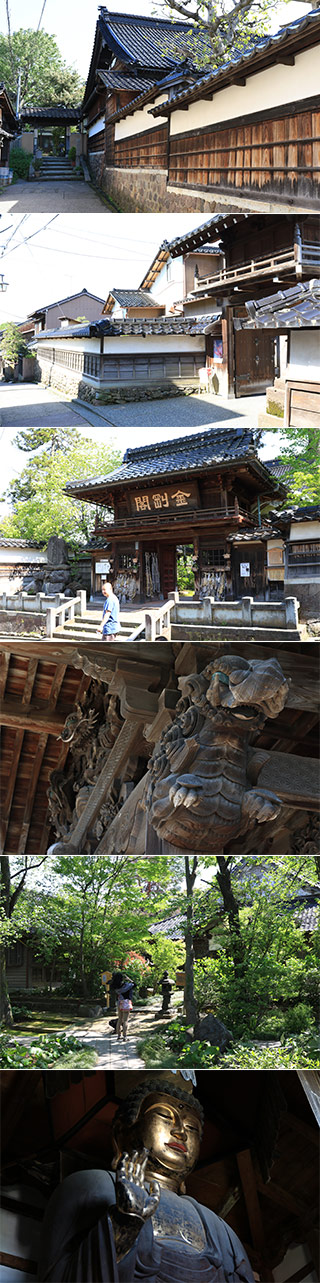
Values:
[(145, 191), (59, 377), (308, 594), (18, 623), (151, 392), (95, 161)]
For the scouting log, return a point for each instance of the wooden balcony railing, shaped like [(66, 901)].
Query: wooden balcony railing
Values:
[(305, 255), (170, 517)]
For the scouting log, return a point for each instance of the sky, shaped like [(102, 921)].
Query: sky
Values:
[(73, 22), (13, 460), (47, 257)]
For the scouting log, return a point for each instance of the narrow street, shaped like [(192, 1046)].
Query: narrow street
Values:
[(46, 198), (32, 405)]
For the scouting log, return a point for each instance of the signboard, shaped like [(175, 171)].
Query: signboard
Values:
[(102, 567), (244, 569), (161, 498)]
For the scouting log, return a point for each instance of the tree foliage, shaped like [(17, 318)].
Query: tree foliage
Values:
[(300, 453), (40, 507), (220, 30), (45, 78), (12, 343)]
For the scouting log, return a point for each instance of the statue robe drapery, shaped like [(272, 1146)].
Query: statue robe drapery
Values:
[(78, 1244)]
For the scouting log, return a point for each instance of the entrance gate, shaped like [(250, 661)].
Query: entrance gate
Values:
[(254, 359)]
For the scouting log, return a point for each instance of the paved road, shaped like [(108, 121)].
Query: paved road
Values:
[(25, 405), (63, 197), (29, 405)]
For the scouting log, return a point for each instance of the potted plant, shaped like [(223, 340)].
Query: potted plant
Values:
[(37, 167), (72, 156)]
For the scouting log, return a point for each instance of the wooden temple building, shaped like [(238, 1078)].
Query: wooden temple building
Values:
[(194, 492), (258, 1163), (8, 129), (168, 131), (78, 725)]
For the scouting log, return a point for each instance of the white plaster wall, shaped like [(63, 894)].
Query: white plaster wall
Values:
[(96, 128), (307, 531), (273, 87), (69, 345), (130, 344), (140, 121), (22, 556), (169, 291), (304, 356)]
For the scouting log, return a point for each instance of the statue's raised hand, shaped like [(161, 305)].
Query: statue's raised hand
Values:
[(133, 1199)]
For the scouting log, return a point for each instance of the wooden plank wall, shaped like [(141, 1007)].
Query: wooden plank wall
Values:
[(146, 150), (280, 154)]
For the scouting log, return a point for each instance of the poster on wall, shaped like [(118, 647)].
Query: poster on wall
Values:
[(217, 349), (102, 567), (244, 569)]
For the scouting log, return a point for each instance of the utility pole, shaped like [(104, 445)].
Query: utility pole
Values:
[(18, 94)]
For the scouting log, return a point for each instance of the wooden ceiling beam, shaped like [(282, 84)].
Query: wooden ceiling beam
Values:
[(37, 717), (29, 682), (4, 668), (27, 815), (56, 684), (6, 809)]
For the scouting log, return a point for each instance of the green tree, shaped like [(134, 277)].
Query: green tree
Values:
[(13, 877), (300, 454), (219, 30), (40, 506), (45, 77), (12, 343)]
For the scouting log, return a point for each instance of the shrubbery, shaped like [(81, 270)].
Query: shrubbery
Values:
[(19, 162), (45, 1049)]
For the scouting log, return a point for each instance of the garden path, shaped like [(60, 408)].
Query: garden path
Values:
[(119, 1055)]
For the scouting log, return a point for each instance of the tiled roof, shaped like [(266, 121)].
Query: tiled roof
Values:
[(110, 327), (21, 543), (121, 80), (51, 113), (191, 453), (287, 309), (257, 51), (152, 42), (134, 298)]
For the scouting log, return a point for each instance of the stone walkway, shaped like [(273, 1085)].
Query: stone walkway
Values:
[(31, 404), (53, 197)]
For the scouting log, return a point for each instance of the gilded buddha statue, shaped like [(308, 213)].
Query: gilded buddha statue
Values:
[(136, 1222)]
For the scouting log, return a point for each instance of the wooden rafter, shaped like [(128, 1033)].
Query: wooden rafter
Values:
[(27, 814)]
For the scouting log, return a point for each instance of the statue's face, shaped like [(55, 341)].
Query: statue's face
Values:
[(171, 1131)]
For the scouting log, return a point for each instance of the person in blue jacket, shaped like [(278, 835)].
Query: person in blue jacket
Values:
[(110, 623)]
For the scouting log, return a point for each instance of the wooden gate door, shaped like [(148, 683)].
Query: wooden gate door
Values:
[(254, 359), (168, 569)]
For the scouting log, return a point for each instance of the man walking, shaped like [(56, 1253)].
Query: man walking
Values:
[(110, 623)]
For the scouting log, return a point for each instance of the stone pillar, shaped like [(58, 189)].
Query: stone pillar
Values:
[(292, 612), (247, 603), (206, 610)]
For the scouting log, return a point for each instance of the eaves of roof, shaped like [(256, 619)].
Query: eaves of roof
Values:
[(188, 454), (8, 103), (266, 50), (166, 325), (295, 308)]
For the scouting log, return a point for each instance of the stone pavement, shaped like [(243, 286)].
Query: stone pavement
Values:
[(53, 197), (31, 404), (111, 1053)]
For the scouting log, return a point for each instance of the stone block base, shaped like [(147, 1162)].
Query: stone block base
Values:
[(63, 380), (308, 594), (146, 191), (20, 623)]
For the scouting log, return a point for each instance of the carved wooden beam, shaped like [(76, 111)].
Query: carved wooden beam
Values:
[(294, 779), (33, 717), (124, 746)]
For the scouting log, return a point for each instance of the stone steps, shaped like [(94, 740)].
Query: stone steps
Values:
[(83, 626), (56, 170), (228, 632)]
